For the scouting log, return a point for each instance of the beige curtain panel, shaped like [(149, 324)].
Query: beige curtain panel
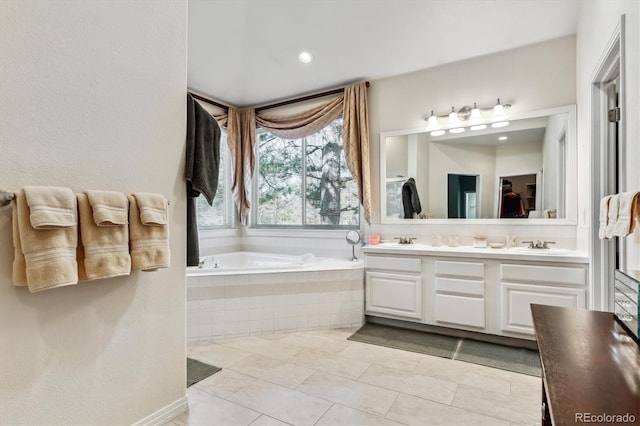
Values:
[(241, 136)]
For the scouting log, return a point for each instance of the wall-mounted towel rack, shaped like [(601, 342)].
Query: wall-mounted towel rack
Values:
[(6, 197)]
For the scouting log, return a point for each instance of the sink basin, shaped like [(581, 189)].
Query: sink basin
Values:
[(549, 251)]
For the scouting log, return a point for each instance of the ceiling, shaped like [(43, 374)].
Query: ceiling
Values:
[(245, 52)]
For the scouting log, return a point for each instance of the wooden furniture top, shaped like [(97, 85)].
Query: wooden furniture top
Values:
[(590, 365)]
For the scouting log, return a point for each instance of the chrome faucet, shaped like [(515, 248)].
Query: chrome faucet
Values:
[(539, 244), (404, 240)]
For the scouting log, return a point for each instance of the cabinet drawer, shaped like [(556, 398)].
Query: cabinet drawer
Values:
[(401, 264), (460, 310), (458, 285), (394, 294), (460, 269), (543, 274)]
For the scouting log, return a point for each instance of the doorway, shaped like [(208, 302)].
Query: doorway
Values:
[(463, 196)]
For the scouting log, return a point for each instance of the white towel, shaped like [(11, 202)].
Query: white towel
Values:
[(628, 206), (604, 216), (612, 217)]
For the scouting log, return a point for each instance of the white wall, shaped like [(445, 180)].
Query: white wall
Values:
[(556, 126), (92, 96), (532, 78), (597, 22)]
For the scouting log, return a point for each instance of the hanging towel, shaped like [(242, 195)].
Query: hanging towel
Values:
[(49, 253), (410, 199), (108, 207), (612, 217), (153, 208), (149, 244), (19, 265), (628, 213), (604, 216), (105, 249), (201, 168), (51, 207)]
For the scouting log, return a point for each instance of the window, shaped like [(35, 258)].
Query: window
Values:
[(304, 182), (219, 214)]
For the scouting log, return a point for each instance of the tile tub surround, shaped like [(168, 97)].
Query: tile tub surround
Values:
[(274, 302)]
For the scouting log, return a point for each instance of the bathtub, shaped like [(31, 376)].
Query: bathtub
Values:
[(250, 293)]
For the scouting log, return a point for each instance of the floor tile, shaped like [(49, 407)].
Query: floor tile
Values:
[(410, 383), (465, 373), (268, 421), (412, 410), (388, 357), (351, 393), (281, 403), (224, 383), (341, 415), (317, 342), (515, 409), (334, 333), (206, 409), (272, 370), (258, 345), (524, 385), (330, 363), (215, 354)]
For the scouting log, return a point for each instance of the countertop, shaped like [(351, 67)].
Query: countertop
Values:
[(515, 253)]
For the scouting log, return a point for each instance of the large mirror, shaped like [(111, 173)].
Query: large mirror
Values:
[(519, 172)]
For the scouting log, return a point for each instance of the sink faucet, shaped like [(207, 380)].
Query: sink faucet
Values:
[(404, 240), (539, 244)]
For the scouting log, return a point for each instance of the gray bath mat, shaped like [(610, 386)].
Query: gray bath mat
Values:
[(197, 371), (408, 340), (519, 360)]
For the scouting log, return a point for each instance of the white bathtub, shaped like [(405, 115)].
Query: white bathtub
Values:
[(254, 262), (261, 293)]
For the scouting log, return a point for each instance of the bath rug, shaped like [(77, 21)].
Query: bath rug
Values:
[(518, 360), (408, 340), (197, 371)]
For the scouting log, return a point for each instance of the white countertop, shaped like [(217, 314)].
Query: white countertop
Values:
[(515, 253)]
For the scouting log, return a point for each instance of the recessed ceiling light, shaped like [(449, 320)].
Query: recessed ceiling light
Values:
[(305, 57), (503, 138)]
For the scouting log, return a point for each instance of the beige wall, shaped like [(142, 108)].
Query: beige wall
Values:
[(92, 96)]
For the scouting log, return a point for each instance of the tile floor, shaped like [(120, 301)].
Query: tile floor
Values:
[(320, 378)]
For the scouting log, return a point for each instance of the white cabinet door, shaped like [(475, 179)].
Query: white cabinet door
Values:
[(516, 298), (394, 295)]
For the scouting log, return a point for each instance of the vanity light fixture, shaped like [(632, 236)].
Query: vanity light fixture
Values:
[(457, 130), (454, 120), (475, 118), (438, 132), (500, 124)]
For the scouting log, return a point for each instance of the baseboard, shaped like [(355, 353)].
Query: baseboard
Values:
[(166, 413)]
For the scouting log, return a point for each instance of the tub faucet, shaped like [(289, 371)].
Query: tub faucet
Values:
[(201, 263)]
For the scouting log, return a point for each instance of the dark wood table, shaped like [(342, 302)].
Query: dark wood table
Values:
[(590, 367)]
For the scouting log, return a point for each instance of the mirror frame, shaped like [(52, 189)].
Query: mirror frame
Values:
[(571, 198)]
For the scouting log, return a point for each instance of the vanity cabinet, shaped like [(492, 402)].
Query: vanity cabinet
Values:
[(460, 293), (524, 284), (394, 287), (477, 290)]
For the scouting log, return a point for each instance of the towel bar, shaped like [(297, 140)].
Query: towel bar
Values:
[(6, 197)]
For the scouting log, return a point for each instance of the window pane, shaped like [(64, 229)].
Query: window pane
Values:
[(279, 180), (332, 196), (216, 215)]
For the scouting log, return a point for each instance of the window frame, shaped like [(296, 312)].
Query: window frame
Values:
[(255, 205)]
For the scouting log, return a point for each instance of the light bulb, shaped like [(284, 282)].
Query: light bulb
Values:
[(500, 124), (457, 130), (475, 116), (438, 133), (432, 122), (478, 127), (498, 111), (453, 121)]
